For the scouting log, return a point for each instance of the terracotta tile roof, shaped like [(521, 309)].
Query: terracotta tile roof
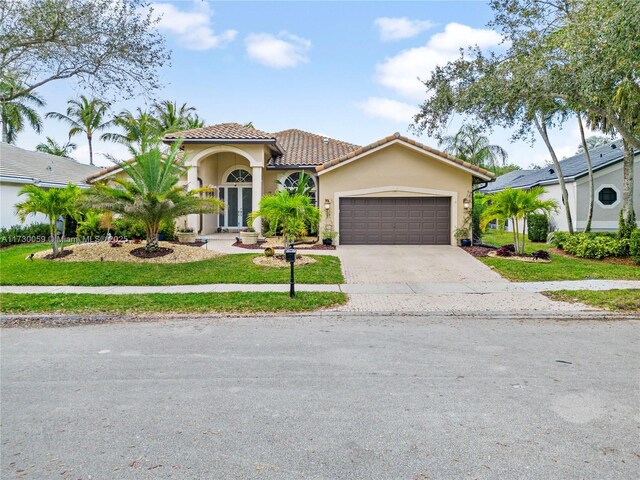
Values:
[(226, 131), (308, 149), (397, 136)]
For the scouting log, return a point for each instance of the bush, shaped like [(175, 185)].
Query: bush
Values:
[(168, 230), (504, 252), (588, 245), (129, 229), (36, 232), (634, 245), (558, 239), (541, 254), (626, 227), (509, 246), (538, 227), (90, 227)]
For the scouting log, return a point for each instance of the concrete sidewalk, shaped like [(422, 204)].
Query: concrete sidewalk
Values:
[(352, 288)]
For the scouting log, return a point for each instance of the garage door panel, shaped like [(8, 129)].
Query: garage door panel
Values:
[(395, 220)]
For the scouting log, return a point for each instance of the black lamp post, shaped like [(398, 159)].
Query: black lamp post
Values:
[(290, 256)]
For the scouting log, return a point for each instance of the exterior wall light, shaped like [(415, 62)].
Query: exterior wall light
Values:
[(466, 204), (327, 204)]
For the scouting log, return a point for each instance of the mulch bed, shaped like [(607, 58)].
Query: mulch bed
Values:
[(260, 246), (190, 244), (64, 253), (142, 252), (478, 251)]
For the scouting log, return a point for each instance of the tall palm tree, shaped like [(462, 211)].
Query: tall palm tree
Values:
[(86, 115), (173, 118), (54, 148), (516, 205), (141, 129), (470, 145), (52, 202), (150, 192), (15, 113)]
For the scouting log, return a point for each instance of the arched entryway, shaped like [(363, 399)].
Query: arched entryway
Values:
[(236, 190)]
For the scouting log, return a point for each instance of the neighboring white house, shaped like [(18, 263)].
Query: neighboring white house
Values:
[(19, 167), (607, 163)]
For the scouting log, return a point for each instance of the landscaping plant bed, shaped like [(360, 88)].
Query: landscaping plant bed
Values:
[(104, 252), (278, 261), (61, 255), (519, 258), (612, 260), (142, 252), (262, 244), (478, 251)]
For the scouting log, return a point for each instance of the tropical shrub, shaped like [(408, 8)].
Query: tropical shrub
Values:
[(634, 245), (509, 247), (504, 252), (90, 227), (36, 232), (541, 254), (587, 245), (558, 239), (54, 203), (168, 230), (538, 227), (291, 213), (149, 193), (126, 228)]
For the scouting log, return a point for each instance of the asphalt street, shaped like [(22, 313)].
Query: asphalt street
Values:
[(332, 397)]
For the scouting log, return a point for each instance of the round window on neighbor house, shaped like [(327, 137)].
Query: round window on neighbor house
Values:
[(239, 176), (607, 196)]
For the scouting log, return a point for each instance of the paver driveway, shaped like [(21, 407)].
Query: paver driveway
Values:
[(412, 264)]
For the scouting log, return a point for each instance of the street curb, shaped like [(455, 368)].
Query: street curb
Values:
[(48, 320)]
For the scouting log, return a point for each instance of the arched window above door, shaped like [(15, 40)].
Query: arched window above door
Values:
[(239, 175), (292, 181)]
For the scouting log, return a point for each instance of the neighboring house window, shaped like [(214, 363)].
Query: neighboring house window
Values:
[(291, 183), (608, 196), (239, 176)]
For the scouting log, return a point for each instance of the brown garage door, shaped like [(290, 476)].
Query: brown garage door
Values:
[(395, 221)]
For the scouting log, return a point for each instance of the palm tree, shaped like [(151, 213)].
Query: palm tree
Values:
[(516, 205), (150, 193), (470, 145), (173, 118), (141, 129), (54, 148), (14, 113), (52, 202), (288, 212), (85, 116)]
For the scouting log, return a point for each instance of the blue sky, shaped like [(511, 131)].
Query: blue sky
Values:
[(347, 70)]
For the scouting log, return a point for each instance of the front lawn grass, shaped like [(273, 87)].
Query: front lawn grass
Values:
[(226, 302), (15, 270), (616, 300), (560, 268)]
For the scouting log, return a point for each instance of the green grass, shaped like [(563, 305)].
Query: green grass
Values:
[(228, 302), (616, 300), (15, 270), (560, 268)]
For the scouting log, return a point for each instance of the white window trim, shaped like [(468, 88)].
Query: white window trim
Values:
[(615, 189), (232, 169), (282, 177)]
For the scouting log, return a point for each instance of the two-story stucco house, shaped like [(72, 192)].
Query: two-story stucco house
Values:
[(393, 191)]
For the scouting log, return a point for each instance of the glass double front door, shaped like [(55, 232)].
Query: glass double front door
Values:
[(238, 206)]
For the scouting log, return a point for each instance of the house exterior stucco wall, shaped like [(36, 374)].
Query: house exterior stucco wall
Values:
[(394, 171), (606, 218), (8, 199)]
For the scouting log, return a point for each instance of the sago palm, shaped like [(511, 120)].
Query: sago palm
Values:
[(15, 114), (293, 214), (52, 202), (149, 192), (470, 145), (86, 115), (54, 148)]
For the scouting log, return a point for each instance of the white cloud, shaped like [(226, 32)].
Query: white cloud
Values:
[(192, 28), (388, 109), (392, 29), (401, 72), (282, 51)]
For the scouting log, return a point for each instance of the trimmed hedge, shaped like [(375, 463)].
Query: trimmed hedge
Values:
[(634, 245), (36, 232), (591, 245), (538, 227)]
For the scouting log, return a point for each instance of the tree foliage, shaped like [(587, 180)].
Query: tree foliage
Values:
[(102, 44), (471, 145), (54, 148), (15, 113), (289, 212)]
